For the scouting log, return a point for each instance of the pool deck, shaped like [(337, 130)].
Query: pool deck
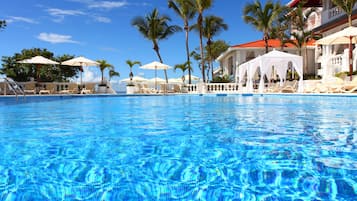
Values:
[(176, 94)]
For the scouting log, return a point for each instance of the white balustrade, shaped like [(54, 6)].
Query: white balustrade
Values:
[(214, 88)]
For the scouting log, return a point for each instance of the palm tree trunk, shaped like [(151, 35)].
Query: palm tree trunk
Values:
[(188, 53), (156, 48), (201, 47), (350, 58), (266, 43), (349, 20), (305, 61), (209, 58), (102, 82)]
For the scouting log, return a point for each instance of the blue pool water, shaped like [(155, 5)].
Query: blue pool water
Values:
[(180, 148)]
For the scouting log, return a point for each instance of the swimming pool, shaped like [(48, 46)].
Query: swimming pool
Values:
[(180, 148)]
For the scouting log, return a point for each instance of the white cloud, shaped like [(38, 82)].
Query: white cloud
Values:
[(107, 4), (90, 75), (102, 19), (60, 13), (13, 19), (55, 38)]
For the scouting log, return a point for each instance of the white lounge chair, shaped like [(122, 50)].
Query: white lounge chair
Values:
[(290, 87)]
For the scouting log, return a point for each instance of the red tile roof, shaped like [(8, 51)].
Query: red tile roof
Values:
[(309, 3), (273, 43)]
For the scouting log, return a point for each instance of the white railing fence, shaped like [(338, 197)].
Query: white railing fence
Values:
[(213, 88)]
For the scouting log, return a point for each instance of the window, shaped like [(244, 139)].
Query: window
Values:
[(230, 66)]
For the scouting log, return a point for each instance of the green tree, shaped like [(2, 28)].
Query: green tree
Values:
[(184, 9), (63, 72), (113, 73), (102, 66), (347, 6), (261, 17), (45, 73), (131, 64), (197, 57), (212, 26), (2, 24), (281, 26), (216, 49), (299, 18), (200, 6), (155, 28), (183, 67)]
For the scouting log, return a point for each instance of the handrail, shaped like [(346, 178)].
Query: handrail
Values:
[(14, 87)]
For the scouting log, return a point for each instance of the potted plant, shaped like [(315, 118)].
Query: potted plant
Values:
[(130, 86), (102, 87)]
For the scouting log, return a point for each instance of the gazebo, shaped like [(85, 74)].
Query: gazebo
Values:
[(277, 59)]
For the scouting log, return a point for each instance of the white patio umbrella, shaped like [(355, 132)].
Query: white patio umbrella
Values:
[(175, 81), (346, 36), (38, 60), (156, 66), (135, 79), (193, 78), (158, 80), (80, 61)]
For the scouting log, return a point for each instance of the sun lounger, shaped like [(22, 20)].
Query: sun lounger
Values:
[(30, 88), (350, 88), (273, 88), (335, 88), (44, 91), (176, 88), (163, 88), (48, 88), (290, 87), (86, 91)]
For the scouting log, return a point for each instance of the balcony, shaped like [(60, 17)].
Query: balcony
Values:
[(332, 14)]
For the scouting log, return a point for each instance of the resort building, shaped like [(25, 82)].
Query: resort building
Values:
[(238, 54), (334, 58)]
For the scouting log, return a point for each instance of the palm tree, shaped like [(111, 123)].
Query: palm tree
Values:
[(155, 28), (113, 73), (184, 9), (212, 25), (183, 68), (347, 6), (281, 26), (262, 17), (200, 6), (299, 18), (131, 64), (2, 24), (102, 66), (217, 48)]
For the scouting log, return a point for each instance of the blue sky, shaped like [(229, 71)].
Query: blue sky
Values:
[(100, 29)]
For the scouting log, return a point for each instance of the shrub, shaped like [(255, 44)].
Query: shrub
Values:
[(221, 79)]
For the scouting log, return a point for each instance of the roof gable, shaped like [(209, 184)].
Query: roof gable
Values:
[(272, 43)]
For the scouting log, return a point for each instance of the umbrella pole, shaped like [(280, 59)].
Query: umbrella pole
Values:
[(155, 78), (38, 72), (350, 58)]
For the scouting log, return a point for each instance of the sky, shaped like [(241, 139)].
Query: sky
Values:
[(99, 29)]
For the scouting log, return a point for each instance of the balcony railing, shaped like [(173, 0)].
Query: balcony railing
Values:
[(333, 13)]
